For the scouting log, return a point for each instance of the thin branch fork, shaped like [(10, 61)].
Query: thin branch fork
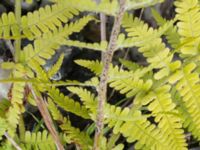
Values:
[(47, 118), (102, 89)]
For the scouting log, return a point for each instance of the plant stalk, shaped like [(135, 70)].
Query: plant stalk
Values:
[(18, 11), (102, 88), (47, 118)]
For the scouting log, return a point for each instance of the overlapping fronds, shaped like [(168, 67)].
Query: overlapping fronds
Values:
[(187, 84), (67, 103), (38, 140), (45, 47), (128, 122), (155, 51), (74, 135), (17, 97), (188, 14), (171, 33), (34, 24), (160, 104), (96, 67)]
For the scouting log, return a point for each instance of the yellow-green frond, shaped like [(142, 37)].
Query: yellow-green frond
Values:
[(160, 104), (74, 135), (67, 103), (188, 14), (55, 68), (38, 140), (45, 47), (187, 83), (102, 46)]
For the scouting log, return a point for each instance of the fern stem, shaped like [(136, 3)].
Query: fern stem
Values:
[(12, 141), (47, 118), (18, 12), (102, 89)]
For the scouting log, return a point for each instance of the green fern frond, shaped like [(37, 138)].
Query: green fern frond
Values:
[(88, 99), (130, 86), (67, 103), (129, 64), (38, 140), (171, 34), (188, 14), (155, 52), (45, 47), (106, 6), (94, 46), (17, 97), (187, 84), (4, 105), (3, 127), (55, 68), (130, 123), (36, 23), (73, 134), (163, 109), (96, 67)]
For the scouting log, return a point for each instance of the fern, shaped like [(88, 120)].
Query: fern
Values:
[(187, 84), (130, 123), (38, 140), (74, 135), (67, 104), (45, 50), (188, 25), (160, 104)]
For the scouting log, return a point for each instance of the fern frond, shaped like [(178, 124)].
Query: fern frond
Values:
[(129, 64), (155, 51), (188, 85), (94, 46), (55, 68), (106, 6), (36, 23), (88, 99), (130, 123), (73, 134), (130, 86), (67, 103), (188, 14), (45, 47), (3, 127), (17, 97), (96, 67), (38, 140), (4, 105), (162, 107)]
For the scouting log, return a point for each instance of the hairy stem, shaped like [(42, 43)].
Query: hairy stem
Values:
[(102, 89), (18, 12), (47, 118)]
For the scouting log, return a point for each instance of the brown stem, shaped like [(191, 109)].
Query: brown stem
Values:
[(47, 118), (103, 32), (102, 89)]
